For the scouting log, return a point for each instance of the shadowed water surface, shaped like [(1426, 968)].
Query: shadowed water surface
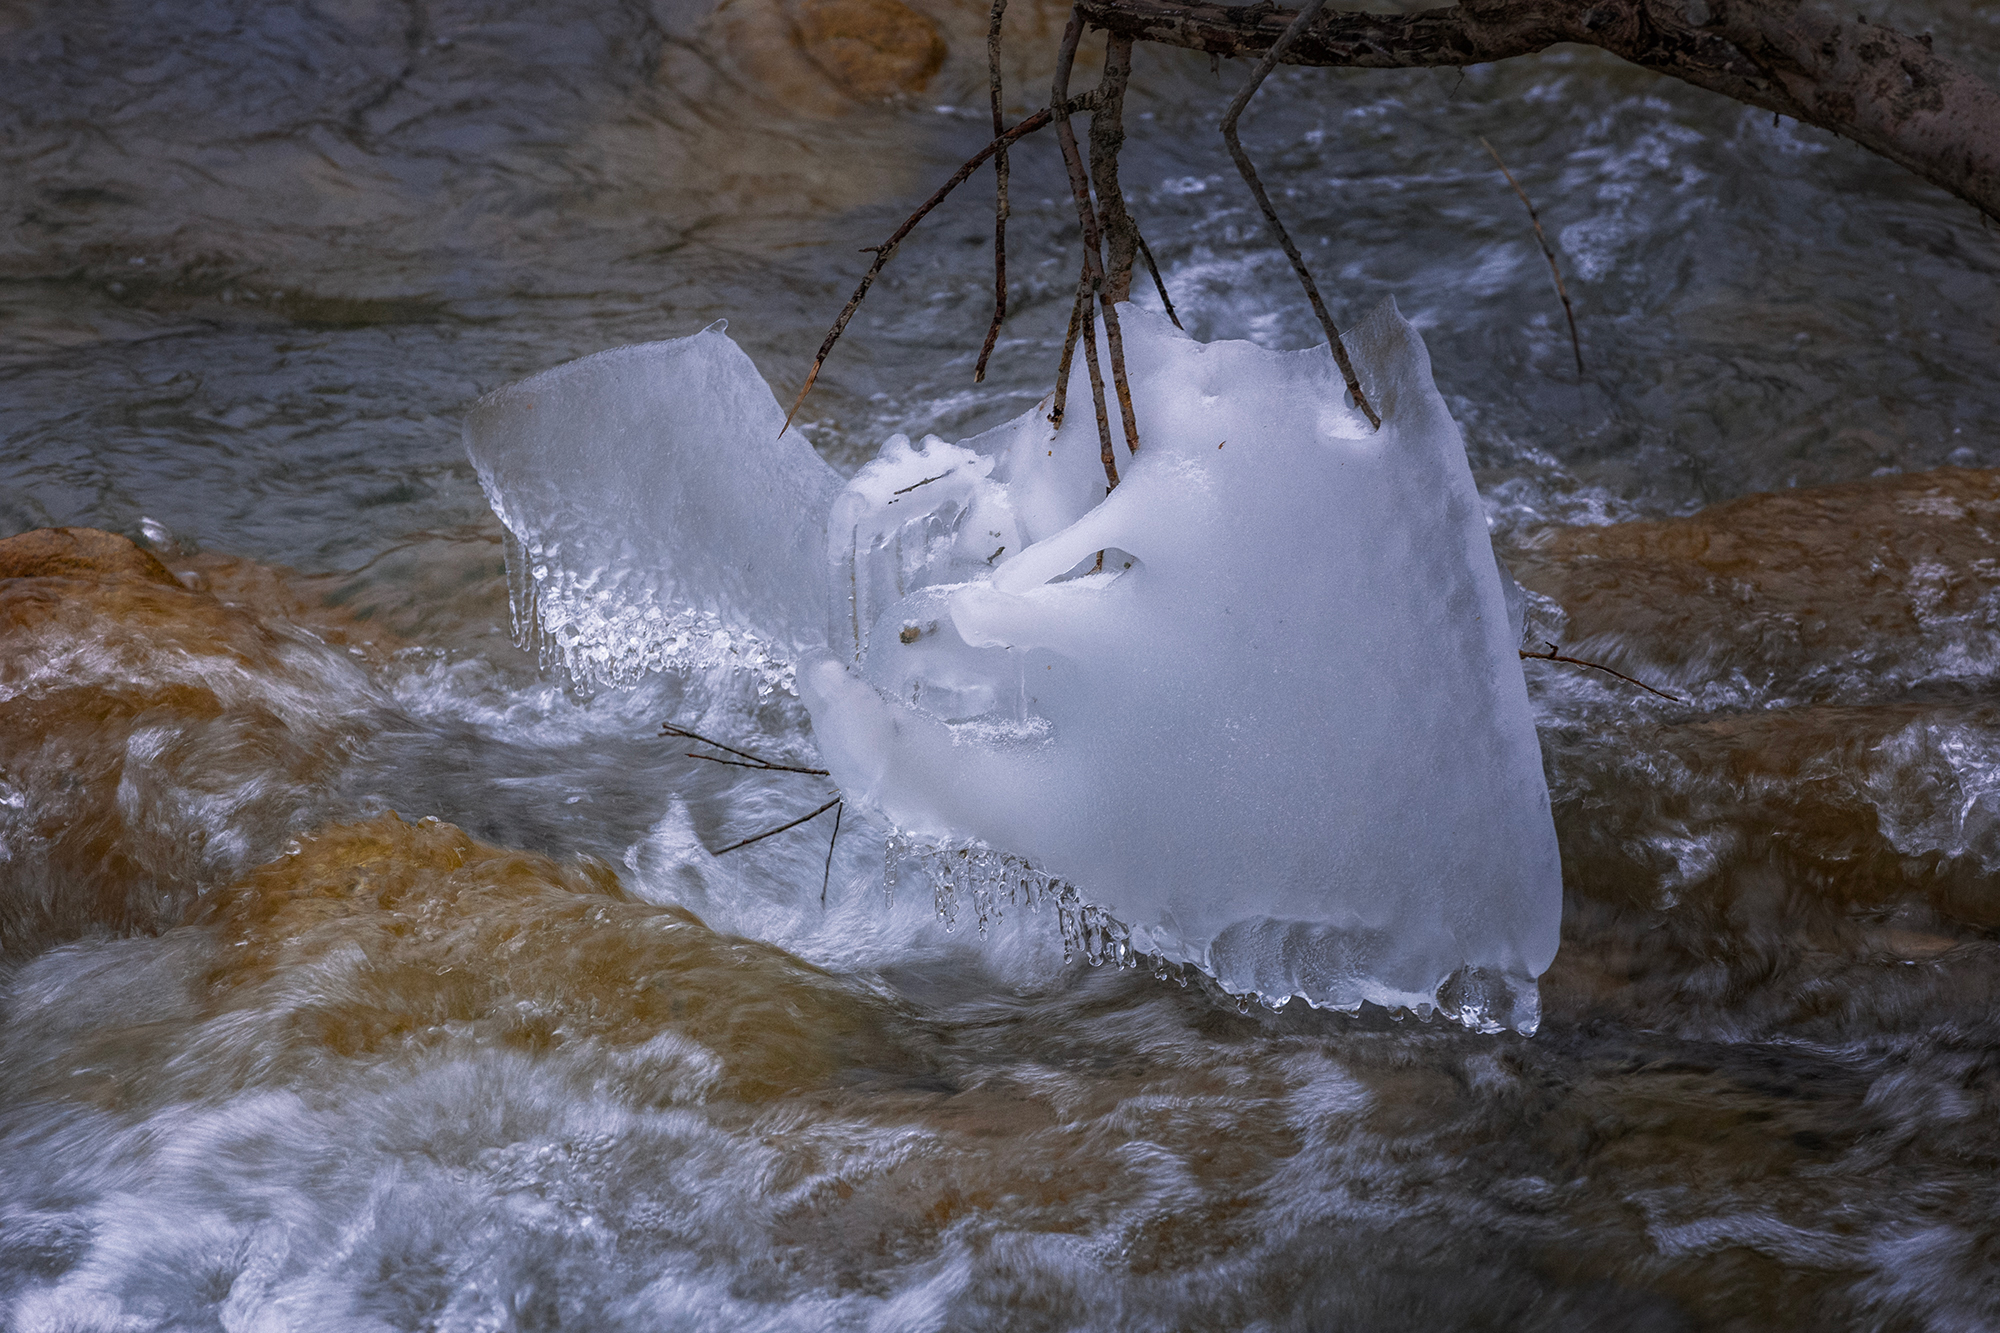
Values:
[(358, 975)]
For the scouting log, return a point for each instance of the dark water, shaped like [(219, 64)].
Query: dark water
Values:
[(489, 1073)]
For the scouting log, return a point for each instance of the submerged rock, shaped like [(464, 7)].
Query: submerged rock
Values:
[(79, 553), (1832, 592), (1821, 813), (155, 740), (376, 938)]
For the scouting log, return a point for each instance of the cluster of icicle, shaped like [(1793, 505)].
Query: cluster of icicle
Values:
[(990, 881)]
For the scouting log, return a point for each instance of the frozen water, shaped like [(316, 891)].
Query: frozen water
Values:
[(1279, 731), (1257, 711), (660, 518)]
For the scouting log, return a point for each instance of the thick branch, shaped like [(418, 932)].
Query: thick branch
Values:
[(1874, 85)]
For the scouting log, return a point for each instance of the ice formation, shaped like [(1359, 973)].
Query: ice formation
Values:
[(659, 518), (1258, 710)]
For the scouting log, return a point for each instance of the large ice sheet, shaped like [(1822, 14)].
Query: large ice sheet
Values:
[(661, 518), (1283, 734)]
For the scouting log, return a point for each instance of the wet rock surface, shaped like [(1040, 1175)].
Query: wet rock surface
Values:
[(1763, 1095), (261, 256)]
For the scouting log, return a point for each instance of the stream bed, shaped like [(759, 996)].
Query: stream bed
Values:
[(357, 972)]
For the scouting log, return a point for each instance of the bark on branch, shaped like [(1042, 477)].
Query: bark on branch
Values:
[(1881, 88)]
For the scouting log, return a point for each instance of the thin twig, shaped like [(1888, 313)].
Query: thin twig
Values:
[(1106, 454), (885, 251), (1077, 310), (1154, 269), (1249, 174), (1548, 253), (1000, 209), (760, 768), (754, 760), (771, 833), (925, 482), (1553, 655), (669, 729), (1107, 137), (826, 876), (1093, 259)]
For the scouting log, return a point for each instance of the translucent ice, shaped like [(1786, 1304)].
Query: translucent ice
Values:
[(1280, 731), (661, 519), (1258, 710)]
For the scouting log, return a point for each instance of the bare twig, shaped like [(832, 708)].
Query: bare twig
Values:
[(1158, 282), (1000, 209), (773, 832), (1107, 136), (759, 767), (1093, 268), (1077, 310), (669, 729), (1086, 216), (1548, 253), (753, 760), (1554, 655), (1249, 173), (887, 249), (925, 482), (1106, 454), (826, 876)]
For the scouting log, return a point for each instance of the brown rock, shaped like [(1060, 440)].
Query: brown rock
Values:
[(78, 553), (873, 49), (1806, 594), (383, 937), (153, 740)]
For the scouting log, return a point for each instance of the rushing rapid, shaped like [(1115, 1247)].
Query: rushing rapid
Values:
[(360, 971)]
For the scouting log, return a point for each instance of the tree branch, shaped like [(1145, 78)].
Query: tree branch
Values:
[(1881, 88)]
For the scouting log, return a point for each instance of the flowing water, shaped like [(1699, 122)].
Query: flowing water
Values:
[(358, 975)]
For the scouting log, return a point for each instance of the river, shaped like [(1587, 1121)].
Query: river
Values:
[(358, 973)]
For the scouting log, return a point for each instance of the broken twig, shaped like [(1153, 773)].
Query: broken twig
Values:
[(1249, 174), (1548, 253)]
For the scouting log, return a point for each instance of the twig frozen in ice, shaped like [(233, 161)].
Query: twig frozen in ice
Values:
[(925, 482), (1548, 252), (1249, 174)]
